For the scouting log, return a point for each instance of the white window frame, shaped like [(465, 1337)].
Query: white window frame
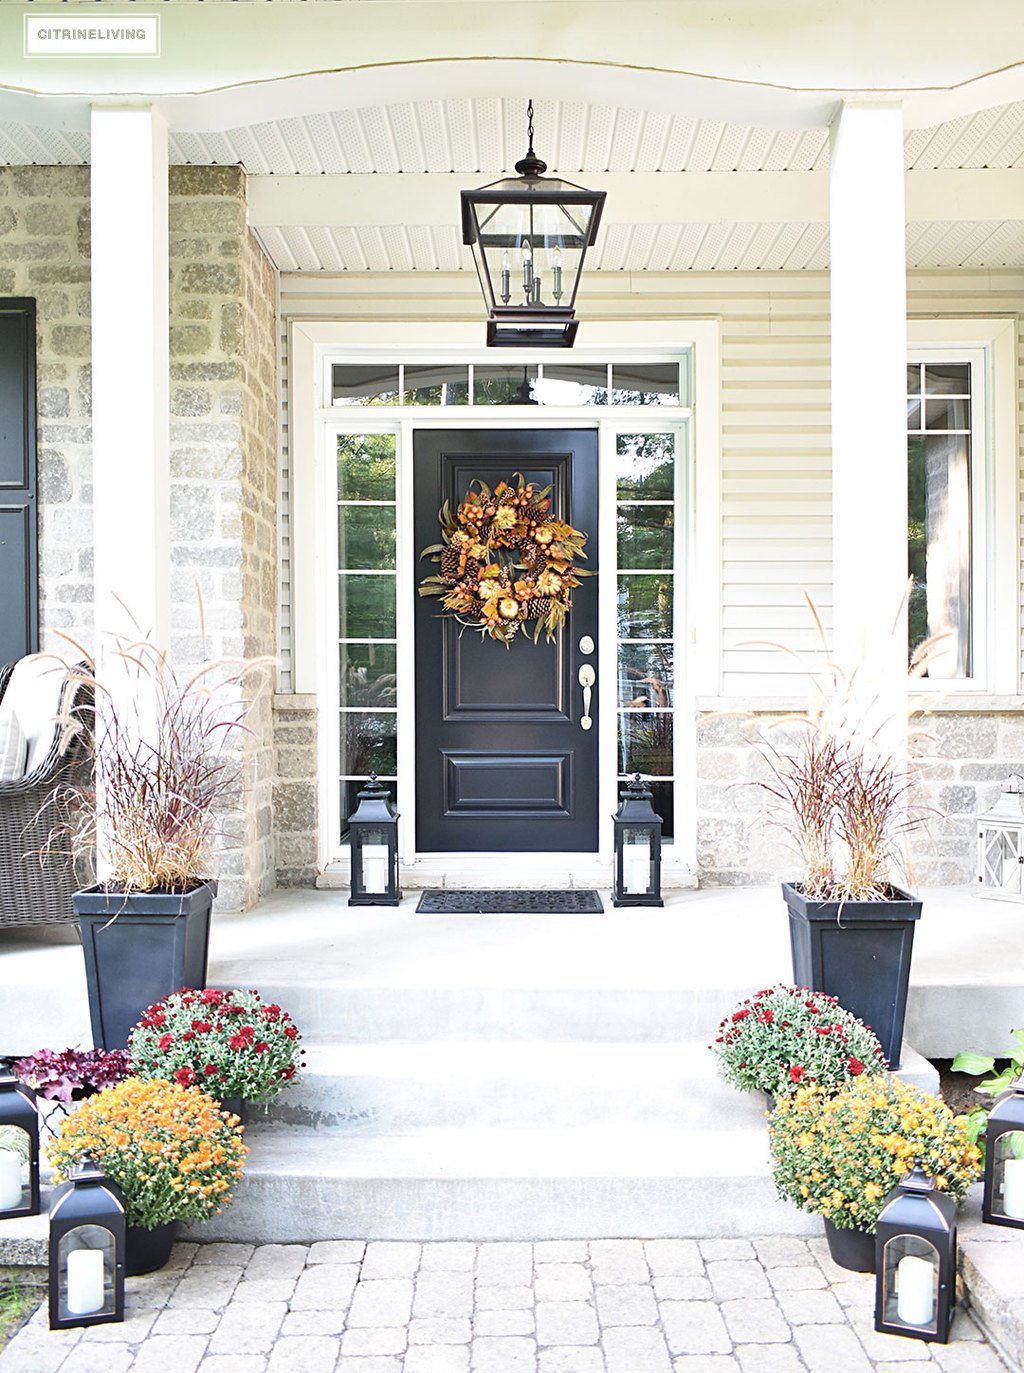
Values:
[(990, 346), (314, 345)]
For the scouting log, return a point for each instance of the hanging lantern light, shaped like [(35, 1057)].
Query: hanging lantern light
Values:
[(373, 837), (1003, 1199), (1001, 844), (87, 1243), (915, 1260), (529, 234), (19, 1149), (637, 879)]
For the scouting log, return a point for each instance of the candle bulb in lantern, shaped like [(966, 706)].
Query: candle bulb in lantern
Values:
[(10, 1180), (506, 278), (1013, 1188), (536, 289), (375, 867), (636, 860), (556, 258), (528, 269), (915, 1291), (85, 1282)]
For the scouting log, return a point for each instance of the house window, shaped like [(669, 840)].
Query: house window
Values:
[(367, 637), (509, 383), (646, 538), (940, 490)]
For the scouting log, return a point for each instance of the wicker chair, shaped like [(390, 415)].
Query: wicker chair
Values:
[(35, 890)]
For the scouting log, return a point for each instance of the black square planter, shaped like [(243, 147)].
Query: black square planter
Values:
[(139, 947), (859, 952)]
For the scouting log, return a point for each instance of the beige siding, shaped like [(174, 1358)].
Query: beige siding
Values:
[(776, 460)]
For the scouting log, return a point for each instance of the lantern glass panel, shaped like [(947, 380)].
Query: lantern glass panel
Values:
[(911, 1283), (1001, 850), (86, 1266), (14, 1170), (541, 240), (637, 860), (374, 854), (1008, 1198)]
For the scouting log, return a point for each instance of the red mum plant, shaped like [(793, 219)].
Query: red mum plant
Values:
[(233, 1044), (784, 1037)]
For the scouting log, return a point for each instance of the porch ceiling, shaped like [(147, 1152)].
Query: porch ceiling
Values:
[(478, 137)]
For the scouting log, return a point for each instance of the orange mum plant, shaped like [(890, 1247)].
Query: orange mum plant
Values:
[(174, 1153), (840, 1155)]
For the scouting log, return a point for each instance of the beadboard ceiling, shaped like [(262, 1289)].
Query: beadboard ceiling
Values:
[(481, 137)]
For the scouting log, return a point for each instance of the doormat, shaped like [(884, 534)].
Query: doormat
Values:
[(437, 902)]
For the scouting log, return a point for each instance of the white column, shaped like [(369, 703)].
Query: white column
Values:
[(869, 423), (130, 373)]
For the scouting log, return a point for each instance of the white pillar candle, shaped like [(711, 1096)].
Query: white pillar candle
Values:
[(10, 1180), (375, 868), (1013, 1188), (85, 1282), (636, 867), (915, 1291)]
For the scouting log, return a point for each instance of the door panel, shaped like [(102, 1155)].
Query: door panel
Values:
[(502, 762)]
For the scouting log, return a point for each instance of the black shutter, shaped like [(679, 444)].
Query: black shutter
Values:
[(19, 572)]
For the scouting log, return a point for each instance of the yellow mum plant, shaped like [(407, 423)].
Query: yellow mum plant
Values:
[(171, 1149), (840, 1155)]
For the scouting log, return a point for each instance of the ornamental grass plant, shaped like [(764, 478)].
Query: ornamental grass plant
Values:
[(843, 798), (171, 1149), (165, 744), (232, 1044), (840, 1155), (785, 1036)]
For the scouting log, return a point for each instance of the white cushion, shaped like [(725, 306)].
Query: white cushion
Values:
[(12, 745), (34, 695)]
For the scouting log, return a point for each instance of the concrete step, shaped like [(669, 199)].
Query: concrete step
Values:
[(397, 1085), (469, 1183)]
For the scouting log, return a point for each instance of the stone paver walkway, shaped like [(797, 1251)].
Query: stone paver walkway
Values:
[(608, 1306)]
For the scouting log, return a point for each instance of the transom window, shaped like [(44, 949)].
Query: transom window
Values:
[(508, 383)]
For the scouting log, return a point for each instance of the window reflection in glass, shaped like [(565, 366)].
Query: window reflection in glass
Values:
[(510, 385), (366, 536), (438, 384), (366, 608), (573, 385), (368, 744), (645, 383), (645, 676), (645, 743), (645, 536), (645, 607), (373, 384), (645, 467), (366, 467), (369, 675)]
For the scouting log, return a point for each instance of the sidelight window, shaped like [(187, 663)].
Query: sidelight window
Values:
[(367, 632), (646, 539)]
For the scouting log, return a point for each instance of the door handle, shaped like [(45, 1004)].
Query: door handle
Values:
[(587, 678)]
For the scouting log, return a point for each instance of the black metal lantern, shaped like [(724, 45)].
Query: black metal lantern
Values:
[(87, 1243), (637, 879), (1003, 1199), (373, 836), (529, 234), (19, 1149), (915, 1260)]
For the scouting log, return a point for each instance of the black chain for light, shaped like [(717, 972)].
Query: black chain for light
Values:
[(529, 125)]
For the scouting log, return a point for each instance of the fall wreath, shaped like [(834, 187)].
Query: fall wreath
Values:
[(506, 565)]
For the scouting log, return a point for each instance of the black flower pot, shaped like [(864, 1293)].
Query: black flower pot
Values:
[(147, 1250), (139, 947), (234, 1104), (852, 1249), (859, 952)]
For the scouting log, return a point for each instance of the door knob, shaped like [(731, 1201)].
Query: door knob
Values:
[(587, 677)]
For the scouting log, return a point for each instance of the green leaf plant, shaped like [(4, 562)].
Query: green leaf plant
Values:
[(993, 1085)]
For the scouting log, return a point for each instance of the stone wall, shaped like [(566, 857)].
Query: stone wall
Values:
[(296, 800), (223, 444), (968, 755)]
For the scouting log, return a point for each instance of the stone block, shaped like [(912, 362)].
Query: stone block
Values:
[(304, 1354), (618, 1261), (566, 1322), (682, 1287), (569, 1360), (189, 339), (71, 340), (191, 400), (48, 220), (505, 1354), (737, 1278), (507, 1298), (694, 1327), (628, 1349), (8, 220), (385, 1301), (210, 279), (373, 1340), (504, 1323), (563, 1282), (189, 181), (183, 1353)]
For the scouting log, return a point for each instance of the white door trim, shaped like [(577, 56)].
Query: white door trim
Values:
[(314, 537)]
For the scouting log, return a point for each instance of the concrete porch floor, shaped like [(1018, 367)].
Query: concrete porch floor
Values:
[(714, 945)]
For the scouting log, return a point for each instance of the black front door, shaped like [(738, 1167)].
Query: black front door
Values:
[(502, 761)]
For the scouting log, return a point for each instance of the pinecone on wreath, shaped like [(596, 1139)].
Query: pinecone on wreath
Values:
[(535, 514), (450, 564), (539, 608), (473, 569)]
